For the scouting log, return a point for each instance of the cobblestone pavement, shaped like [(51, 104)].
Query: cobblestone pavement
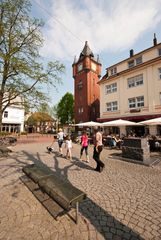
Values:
[(124, 201)]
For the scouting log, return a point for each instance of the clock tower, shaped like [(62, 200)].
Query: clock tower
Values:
[(86, 74)]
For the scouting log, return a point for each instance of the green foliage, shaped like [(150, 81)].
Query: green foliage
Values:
[(2, 134), (38, 118), (21, 71), (23, 133), (65, 109)]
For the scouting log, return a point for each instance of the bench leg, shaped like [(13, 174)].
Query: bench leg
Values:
[(77, 212)]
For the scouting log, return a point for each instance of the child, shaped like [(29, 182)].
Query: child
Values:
[(68, 145), (84, 142)]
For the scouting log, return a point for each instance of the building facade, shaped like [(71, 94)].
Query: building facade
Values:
[(86, 74), (13, 119), (131, 89)]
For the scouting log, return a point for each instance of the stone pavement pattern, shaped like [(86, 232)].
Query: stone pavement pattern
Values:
[(124, 201)]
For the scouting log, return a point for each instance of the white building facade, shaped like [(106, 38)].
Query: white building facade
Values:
[(131, 89), (13, 119)]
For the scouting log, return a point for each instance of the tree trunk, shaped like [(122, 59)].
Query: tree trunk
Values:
[(1, 113)]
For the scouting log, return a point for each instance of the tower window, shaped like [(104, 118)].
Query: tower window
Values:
[(80, 110), (80, 85), (80, 67)]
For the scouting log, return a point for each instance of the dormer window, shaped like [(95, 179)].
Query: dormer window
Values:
[(159, 70), (139, 60), (135, 62), (131, 64), (159, 51), (113, 71)]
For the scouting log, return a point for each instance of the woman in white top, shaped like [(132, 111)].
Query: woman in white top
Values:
[(60, 137)]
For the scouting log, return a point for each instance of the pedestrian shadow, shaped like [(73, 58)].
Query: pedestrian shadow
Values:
[(103, 222)]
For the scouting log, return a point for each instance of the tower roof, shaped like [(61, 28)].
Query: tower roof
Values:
[(86, 51)]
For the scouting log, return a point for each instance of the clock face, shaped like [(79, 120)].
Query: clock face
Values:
[(80, 67), (93, 66)]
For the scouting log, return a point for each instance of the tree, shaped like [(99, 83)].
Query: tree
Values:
[(22, 74), (65, 109), (39, 120)]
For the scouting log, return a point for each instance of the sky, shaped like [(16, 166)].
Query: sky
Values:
[(111, 28)]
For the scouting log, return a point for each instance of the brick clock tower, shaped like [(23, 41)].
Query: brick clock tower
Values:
[(86, 74)]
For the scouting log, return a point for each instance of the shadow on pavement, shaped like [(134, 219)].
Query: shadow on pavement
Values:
[(107, 225)]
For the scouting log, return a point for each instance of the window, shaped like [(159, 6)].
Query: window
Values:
[(135, 81), (111, 88), (159, 51), (80, 67), (135, 62), (5, 114), (113, 71), (80, 110), (111, 106), (136, 102), (159, 73), (80, 85), (138, 60), (131, 64)]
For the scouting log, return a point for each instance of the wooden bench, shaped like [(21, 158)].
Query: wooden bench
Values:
[(55, 194)]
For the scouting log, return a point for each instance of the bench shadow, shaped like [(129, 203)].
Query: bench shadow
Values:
[(106, 224)]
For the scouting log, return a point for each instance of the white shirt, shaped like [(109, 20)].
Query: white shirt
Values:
[(69, 144), (60, 135)]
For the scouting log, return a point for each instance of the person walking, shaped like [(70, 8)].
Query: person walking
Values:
[(68, 146), (60, 137), (84, 143), (97, 140)]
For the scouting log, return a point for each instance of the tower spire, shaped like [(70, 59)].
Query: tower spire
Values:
[(86, 51)]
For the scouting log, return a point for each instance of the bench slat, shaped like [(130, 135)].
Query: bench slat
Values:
[(51, 190), (36, 172), (63, 192), (54, 208)]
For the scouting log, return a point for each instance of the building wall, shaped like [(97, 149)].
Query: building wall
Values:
[(15, 117), (150, 89)]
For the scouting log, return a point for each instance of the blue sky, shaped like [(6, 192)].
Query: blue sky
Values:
[(111, 28)]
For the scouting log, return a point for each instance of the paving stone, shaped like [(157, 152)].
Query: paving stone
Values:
[(123, 202)]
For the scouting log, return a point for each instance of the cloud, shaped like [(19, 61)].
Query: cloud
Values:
[(106, 25)]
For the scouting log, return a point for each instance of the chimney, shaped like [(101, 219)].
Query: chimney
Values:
[(131, 53), (154, 40)]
